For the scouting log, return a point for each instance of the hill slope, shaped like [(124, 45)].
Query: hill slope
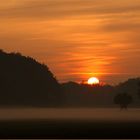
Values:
[(24, 81)]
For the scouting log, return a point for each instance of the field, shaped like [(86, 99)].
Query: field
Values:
[(69, 123)]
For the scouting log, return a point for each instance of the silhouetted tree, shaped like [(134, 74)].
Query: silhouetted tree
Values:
[(123, 99)]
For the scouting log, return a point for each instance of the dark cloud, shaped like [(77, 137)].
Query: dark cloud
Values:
[(52, 9), (122, 25)]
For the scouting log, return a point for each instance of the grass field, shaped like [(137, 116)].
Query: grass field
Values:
[(69, 129), (90, 125)]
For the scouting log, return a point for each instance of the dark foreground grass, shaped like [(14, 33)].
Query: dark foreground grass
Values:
[(69, 129)]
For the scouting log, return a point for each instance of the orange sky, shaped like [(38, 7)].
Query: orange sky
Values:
[(77, 39)]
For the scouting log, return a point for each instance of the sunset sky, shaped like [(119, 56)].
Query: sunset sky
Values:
[(77, 39)]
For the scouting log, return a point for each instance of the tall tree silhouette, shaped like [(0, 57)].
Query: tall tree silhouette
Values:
[(24, 81), (123, 99)]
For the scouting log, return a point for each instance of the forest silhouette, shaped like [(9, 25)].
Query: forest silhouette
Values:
[(26, 82)]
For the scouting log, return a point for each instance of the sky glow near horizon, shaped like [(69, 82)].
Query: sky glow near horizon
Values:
[(77, 39)]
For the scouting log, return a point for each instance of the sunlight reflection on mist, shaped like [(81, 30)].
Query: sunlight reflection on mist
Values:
[(68, 114)]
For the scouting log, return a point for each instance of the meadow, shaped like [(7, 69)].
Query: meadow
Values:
[(69, 123)]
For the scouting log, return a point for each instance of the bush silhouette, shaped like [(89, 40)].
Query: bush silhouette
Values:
[(123, 99), (24, 81)]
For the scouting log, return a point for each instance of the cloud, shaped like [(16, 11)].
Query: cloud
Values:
[(122, 26), (76, 38), (52, 9)]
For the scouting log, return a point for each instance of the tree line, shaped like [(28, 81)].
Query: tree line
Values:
[(26, 82)]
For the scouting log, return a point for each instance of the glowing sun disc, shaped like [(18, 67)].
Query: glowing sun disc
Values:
[(93, 81)]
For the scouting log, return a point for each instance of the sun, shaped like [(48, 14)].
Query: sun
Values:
[(93, 81)]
